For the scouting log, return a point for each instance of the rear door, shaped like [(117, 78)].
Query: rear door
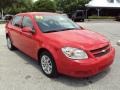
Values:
[(15, 30)]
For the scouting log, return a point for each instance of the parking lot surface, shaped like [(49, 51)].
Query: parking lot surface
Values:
[(20, 72)]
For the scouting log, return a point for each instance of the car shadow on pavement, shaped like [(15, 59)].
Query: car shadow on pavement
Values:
[(28, 59), (69, 81), (77, 82)]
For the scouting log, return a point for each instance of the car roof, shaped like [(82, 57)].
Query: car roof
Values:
[(38, 13)]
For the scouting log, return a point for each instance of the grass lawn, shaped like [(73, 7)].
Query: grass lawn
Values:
[(101, 17), (2, 22)]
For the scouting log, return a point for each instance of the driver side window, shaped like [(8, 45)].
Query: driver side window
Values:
[(27, 22)]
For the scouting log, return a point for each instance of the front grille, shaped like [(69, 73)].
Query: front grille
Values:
[(101, 51)]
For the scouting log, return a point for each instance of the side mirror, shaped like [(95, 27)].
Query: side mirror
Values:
[(28, 30)]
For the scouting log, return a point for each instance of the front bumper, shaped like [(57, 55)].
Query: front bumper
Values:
[(86, 68)]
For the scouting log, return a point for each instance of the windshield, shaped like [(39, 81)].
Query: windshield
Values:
[(55, 23)]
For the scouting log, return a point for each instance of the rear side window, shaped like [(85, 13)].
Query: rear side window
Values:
[(16, 20), (27, 22)]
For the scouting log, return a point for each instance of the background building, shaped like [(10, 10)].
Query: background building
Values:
[(103, 7)]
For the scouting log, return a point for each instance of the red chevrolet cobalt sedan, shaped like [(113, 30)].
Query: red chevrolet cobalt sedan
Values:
[(59, 45)]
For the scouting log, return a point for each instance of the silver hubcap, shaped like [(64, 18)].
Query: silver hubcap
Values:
[(46, 64), (8, 42)]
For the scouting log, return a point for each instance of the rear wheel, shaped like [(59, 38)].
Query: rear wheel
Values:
[(9, 44), (48, 65)]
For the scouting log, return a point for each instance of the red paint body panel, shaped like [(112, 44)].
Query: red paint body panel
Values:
[(53, 42), (86, 68)]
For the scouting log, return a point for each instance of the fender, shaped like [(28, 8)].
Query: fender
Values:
[(53, 51)]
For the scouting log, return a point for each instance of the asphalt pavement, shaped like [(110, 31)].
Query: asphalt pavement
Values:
[(19, 72)]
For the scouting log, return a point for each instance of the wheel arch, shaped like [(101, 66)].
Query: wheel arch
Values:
[(40, 51), (52, 53)]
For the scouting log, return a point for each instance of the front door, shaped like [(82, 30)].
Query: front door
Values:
[(28, 42)]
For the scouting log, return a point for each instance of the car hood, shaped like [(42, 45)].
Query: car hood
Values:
[(80, 38)]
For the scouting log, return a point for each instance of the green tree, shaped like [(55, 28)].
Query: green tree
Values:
[(4, 4), (16, 6), (71, 5), (44, 5), (19, 6)]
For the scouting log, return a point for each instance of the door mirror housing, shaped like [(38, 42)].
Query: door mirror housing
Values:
[(28, 30)]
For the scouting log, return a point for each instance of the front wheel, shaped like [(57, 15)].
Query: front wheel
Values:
[(48, 65)]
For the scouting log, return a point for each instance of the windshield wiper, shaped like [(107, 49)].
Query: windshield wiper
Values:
[(65, 29), (50, 31)]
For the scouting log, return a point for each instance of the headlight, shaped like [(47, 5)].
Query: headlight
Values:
[(74, 53)]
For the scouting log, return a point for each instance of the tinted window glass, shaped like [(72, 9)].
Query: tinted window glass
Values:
[(16, 20), (55, 23), (27, 22)]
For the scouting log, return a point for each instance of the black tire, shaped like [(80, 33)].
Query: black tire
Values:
[(9, 43), (82, 20), (53, 73)]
